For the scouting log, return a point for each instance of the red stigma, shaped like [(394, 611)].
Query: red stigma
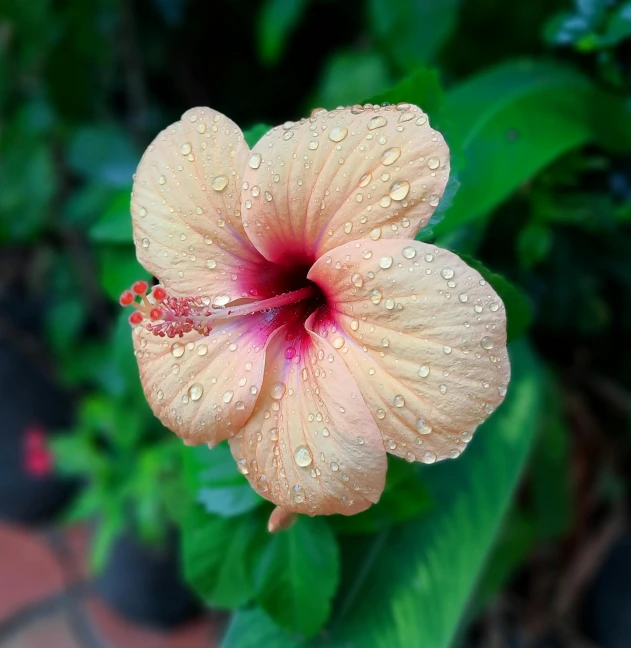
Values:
[(159, 293), (126, 298), (135, 318), (140, 287), (156, 314)]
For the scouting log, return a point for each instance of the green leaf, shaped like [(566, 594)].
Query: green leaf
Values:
[(405, 496), (118, 269), (109, 527), (277, 20), (550, 487), (252, 628), (349, 76), (219, 555), (518, 309), (215, 482), (103, 153), (114, 226), (298, 574), (415, 591), (619, 26), (253, 134), (412, 31), (422, 88), (510, 122), (418, 589)]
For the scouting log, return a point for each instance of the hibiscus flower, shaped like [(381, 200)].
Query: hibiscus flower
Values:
[(296, 316)]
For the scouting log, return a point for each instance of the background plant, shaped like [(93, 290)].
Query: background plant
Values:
[(534, 101)]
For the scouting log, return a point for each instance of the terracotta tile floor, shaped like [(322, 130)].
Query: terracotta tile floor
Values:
[(46, 601)]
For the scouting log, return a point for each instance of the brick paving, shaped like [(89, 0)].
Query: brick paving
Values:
[(46, 600)]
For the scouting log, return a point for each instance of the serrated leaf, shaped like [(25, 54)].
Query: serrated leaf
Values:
[(298, 574), (518, 309), (215, 482), (219, 554)]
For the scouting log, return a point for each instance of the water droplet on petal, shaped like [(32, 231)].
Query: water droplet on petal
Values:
[(255, 160), (278, 390), (423, 371), (390, 156), (428, 457), (447, 273), (385, 262), (399, 189), (365, 179), (186, 148), (409, 252), (423, 427), (195, 391), (202, 350), (177, 350), (486, 343), (145, 243), (337, 134), (433, 163), (399, 401), (375, 296), (227, 397), (375, 234), (302, 456), (357, 280), (377, 122)]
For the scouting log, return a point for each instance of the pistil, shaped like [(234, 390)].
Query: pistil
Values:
[(174, 316)]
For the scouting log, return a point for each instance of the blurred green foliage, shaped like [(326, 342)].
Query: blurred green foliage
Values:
[(535, 102)]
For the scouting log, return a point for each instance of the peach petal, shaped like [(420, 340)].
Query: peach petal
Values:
[(424, 337), (311, 445), (343, 175), (280, 520), (203, 387), (185, 208)]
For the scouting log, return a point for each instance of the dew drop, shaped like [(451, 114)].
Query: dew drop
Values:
[(399, 401), (381, 414), (423, 371), (375, 296), (278, 390), (186, 148), (428, 457), (377, 122), (399, 189), (385, 262), (255, 160), (177, 350), (202, 350), (337, 134), (365, 179), (423, 427), (195, 391), (433, 163), (385, 201), (302, 456), (357, 280), (389, 303), (162, 180), (375, 234), (409, 252), (338, 342), (145, 243), (486, 343), (442, 389), (211, 264), (390, 156), (447, 273)]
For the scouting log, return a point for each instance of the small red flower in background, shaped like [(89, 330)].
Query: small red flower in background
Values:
[(37, 458)]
